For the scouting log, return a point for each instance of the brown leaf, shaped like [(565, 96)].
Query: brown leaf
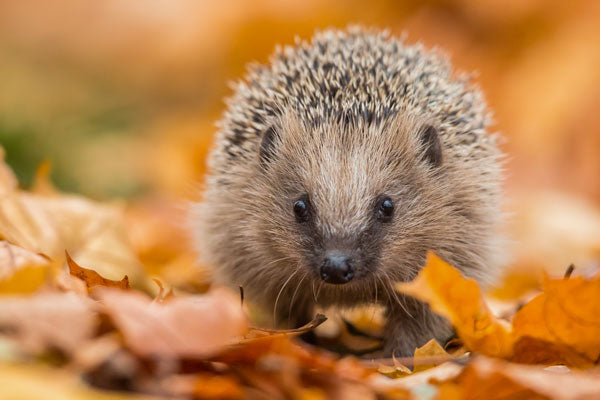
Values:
[(260, 332), (92, 278), (193, 326)]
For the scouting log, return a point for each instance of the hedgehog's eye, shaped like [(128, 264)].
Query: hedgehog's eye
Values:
[(301, 209), (385, 209)]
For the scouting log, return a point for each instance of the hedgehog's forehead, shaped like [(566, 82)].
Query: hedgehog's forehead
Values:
[(343, 183)]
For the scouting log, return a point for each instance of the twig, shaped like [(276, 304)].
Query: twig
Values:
[(569, 271)]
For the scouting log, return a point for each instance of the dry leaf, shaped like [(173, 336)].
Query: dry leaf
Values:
[(492, 379), (193, 326), (8, 180), (21, 271), (26, 381), (48, 319), (50, 224), (460, 300), (396, 371), (204, 385), (13, 258), (92, 278), (567, 317), (162, 294), (431, 349), (442, 372)]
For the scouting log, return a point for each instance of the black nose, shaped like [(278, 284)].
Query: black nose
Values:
[(337, 268)]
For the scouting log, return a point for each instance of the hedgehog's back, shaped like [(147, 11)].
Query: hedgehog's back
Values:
[(353, 76)]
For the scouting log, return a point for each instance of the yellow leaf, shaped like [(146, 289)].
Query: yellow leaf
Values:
[(460, 301), (49, 223), (394, 372), (25, 280), (21, 381), (431, 349)]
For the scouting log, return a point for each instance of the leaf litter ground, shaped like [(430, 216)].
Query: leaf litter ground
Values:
[(80, 318)]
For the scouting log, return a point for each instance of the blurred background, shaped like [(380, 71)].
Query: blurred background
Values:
[(121, 96)]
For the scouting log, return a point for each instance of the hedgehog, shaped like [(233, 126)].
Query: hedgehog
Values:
[(337, 167)]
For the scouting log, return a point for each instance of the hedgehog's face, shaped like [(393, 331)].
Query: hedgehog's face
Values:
[(349, 203)]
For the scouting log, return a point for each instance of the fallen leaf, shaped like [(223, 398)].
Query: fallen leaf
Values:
[(26, 381), (485, 378), (460, 300), (48, 319), (92, 278), (431, 349), (162, 295), (41, 184), (259, 332), (445, 371), (50, 223), (567, 317), (21, 271), (184, 327), (394, 371), (25, 280), (13, 258), (204, 385), (516, 284), (8, 180)]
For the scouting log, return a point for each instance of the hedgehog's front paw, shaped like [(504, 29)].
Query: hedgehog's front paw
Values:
[(404, 333)]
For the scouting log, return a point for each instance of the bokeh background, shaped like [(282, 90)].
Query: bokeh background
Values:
[(121, 96)]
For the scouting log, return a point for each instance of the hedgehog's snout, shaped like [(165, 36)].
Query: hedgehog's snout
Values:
[(337, 268)]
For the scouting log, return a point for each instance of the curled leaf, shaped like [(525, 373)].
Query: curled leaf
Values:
[(92, 278)]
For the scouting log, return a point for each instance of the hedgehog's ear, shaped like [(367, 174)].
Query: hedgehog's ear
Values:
[(432, 145), (267, 146)]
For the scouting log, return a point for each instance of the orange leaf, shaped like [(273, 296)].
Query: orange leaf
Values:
[(492, 379), (460, 301), (92, 278), (567, 317)]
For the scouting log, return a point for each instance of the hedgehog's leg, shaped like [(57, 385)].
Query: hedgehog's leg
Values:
[(411, 325)]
